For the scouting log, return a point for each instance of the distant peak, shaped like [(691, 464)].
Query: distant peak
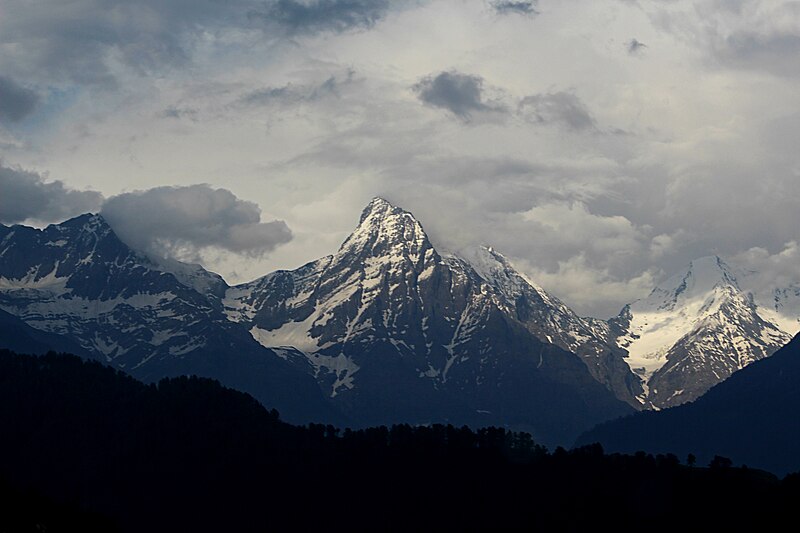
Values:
[(711, 266), (699, 276), (709, 261)]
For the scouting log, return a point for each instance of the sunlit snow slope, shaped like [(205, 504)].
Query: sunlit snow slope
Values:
[(693, 331)]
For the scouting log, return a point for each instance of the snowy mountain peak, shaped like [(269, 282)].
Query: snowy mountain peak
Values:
[(89, 227), (701, 277), (386, 230), (693, 331), (87, 222), (378, 207)]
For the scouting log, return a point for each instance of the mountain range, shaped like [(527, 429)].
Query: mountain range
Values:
[(388, 329), (77, 280)]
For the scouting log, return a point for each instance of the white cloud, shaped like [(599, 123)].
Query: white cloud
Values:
[(770, 271), (589, 290), (572, 225)]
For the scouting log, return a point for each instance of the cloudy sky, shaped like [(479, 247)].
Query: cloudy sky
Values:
[(600, 144)]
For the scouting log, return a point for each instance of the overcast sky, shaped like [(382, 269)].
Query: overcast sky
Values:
[(600, 144)]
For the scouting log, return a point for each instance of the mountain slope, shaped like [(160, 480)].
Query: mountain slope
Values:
[(751, 418), (79, 281), (550, 320), (692, 332), (395, 332), (18, 336)]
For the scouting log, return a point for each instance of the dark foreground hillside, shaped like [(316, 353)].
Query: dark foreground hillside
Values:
[(752, 418), (190, 455)]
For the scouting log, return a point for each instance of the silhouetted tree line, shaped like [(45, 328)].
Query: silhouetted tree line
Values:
[(84, 446)]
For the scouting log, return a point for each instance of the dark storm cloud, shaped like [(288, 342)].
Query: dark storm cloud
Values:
[(561, 108), (461, 94), (635, 46), (322, 15), (16, 101), (26, 195), (184, 220), (508, 7)]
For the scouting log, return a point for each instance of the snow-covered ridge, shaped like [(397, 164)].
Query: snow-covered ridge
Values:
[(698, 324), (78, 279), (673, 309), (191, 275)]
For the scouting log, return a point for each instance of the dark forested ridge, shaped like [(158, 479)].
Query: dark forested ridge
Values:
[(752, 417), (190, 455)]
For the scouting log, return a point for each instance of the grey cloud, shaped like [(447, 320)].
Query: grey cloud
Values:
[(183, 221), (74, 41), (524, 7), (296, 93), (322, 15), (461, 94), (777, 53), (558, 108), (756, 35), (635, 46), (78, 42), (179, 113), (169, 221), (26, 195), (768, 271), (16, 101)]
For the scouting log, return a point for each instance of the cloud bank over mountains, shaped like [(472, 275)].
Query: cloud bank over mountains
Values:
[(176, 222)]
